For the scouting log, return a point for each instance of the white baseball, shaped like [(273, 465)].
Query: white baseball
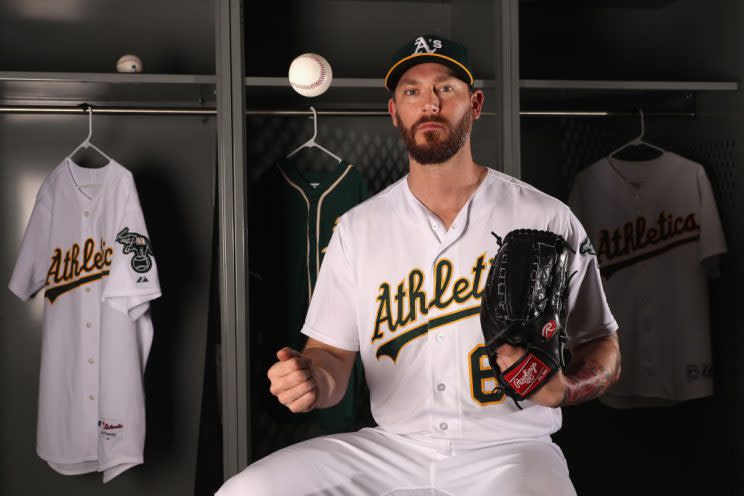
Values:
[(310, 74), (129, 63)]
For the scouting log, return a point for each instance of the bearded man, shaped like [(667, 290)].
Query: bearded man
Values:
[(401, 285)]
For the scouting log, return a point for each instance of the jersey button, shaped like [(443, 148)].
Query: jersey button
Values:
[(87, 290), (88, 325), (441, 387), (92, 397), (91, 360), (443, 426), (440, 337), (86, 213), (434, 226)]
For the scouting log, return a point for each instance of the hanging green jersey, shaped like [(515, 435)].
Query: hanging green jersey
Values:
[(292, 215)]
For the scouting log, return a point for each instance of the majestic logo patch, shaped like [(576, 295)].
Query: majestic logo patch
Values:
[(110, 429), (140, 246), (421, 45), (587, 248), (549, 329)]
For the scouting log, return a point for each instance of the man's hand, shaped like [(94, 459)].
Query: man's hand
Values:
[(551, 393), (594, 367), (292, 381)]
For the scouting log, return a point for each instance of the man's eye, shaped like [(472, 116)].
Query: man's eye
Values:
[(409, 92), (446, 88)]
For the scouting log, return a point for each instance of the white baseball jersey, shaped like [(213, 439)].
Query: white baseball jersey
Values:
[(86, 245), (404, 291), (652, 224)]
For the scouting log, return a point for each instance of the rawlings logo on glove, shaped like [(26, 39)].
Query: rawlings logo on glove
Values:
[(524, 304)]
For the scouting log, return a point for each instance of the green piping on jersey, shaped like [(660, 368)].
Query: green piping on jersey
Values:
[(345, 168), (307, 237), (317, 218)]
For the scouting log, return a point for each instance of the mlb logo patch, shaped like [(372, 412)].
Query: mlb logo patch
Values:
[(110, 429)]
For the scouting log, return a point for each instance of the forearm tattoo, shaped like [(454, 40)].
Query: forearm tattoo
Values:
[(588, 382)]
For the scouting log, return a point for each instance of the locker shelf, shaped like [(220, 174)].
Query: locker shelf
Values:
[(106, 77), (343, 94), (373, 83), (97, 88), (563, 84), (616, 97)]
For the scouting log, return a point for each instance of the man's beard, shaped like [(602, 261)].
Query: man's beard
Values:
[(436, 150)]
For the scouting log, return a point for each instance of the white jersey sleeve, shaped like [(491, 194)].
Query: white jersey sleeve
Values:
[(589, 314), (133, 280), (331, 317), (32, 264), (712, 241)]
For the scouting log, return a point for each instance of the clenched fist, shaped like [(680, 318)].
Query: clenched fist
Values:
[(553, 391), (292, 381)]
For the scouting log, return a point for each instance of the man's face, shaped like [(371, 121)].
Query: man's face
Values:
[(434, 112)]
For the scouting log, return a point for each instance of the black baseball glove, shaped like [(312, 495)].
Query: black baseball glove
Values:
[(524, 304)]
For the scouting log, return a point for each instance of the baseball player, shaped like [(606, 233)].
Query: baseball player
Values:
[(401, 285), (86, 246), (656, 227), (294, 235)]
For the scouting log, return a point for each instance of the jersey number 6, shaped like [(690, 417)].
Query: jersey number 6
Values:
[(482, 379)]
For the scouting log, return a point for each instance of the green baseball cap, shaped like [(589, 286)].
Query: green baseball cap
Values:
[(429, 48)]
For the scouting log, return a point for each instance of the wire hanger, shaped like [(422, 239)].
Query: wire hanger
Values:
[(637, 141), (87, 143), (311, 142)]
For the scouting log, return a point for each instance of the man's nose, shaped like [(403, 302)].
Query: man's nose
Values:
[(431, 103)]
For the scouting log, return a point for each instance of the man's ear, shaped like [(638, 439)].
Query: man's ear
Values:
[(477, 99), (391, 111)]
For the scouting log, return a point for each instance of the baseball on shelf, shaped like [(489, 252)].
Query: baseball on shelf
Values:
[(310, 74), (129, 63)]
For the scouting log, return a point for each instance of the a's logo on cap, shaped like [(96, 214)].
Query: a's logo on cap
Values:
[(421, 45)]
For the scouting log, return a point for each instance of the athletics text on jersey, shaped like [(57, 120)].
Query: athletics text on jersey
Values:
[(76, 266)]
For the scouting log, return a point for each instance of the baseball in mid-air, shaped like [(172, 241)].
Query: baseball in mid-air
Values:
[(129, 63), (310, 74)]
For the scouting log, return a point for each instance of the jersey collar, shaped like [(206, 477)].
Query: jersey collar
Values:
[(305, 179), (415, 212)]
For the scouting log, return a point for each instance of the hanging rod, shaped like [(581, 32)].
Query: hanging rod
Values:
[(582, 113), (57, 109), (203, 111)]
